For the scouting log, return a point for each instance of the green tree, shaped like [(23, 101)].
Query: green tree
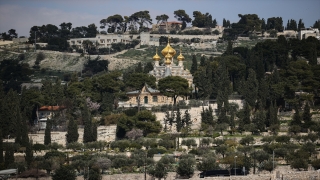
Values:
[(141, 18), (259, 120), (72, 132), (29, 153), (249, 88), (182, 16), (208, 162), (194, 65), (87, 132), (9, 155), (203, 61), (47, 132), (187, 120), (1, 148), (300, 25), (179, 122), (185, 167), (65, 172), (174, 86), (229, 49), (113, 22), (275, 23), (306, 116), (136, 81)]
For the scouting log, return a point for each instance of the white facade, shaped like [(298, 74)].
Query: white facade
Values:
[(306, 32), (101, 40)]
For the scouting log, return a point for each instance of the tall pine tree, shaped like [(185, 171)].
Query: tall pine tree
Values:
[(47, 132), (194, 65), (1, 148), (72, 133), (179, 123), (86, 118)]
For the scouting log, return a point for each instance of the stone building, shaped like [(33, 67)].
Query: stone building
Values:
[(166, 66), (307, 32), (162, 67)]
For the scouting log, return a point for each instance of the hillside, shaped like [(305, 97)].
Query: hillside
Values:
[(61, 61)]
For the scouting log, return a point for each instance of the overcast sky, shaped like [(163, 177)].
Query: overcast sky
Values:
[(23, 14)]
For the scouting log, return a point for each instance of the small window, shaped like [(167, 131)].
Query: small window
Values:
[(154, 98)]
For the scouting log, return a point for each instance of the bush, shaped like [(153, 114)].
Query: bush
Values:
[(215, 32), (65, 173), (34, 173), (40, 57), (316, 164)]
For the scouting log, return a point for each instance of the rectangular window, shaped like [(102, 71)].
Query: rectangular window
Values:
[(154, 98)]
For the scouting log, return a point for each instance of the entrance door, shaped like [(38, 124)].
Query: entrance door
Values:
[(146, 99)]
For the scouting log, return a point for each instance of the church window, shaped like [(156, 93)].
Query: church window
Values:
[(155, 98), (146, 99)]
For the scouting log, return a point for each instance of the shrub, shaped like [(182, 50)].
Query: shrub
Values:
[(64, 172), (215, 32)]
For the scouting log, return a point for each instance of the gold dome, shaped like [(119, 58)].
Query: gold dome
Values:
[(180, 57), (156, 57), (168, 58), (168, 49)]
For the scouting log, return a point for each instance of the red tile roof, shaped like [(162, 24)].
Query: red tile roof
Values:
[(51, 108)]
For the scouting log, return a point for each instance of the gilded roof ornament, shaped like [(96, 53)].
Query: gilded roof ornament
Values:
[(180, 57), (156, 57), (168, 58), (168, 49)]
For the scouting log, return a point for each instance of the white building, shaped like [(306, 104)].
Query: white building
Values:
[(46, 112), (307, 32), (101, 40)]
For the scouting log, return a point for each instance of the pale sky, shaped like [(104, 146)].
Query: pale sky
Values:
[(23, 14)]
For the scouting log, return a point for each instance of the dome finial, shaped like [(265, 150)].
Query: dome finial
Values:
[(156, 57), (180, 57), (169, 49)]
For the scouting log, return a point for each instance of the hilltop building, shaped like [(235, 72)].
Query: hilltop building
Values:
[(307, 32), (162, 67)]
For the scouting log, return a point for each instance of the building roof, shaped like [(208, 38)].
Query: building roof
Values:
[(51, 108), (147, 88)]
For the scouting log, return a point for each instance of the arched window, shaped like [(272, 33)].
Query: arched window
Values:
[(146, 99)]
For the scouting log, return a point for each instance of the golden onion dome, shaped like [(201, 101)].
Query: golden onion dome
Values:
[(168, 49), (180, 57), (156, 57), (168, 58)]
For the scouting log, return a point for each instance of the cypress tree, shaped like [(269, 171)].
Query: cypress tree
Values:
[(29, 153), (1, 147), (202, 61), (259, 119), (251, 88), (224, 23), (229, 50), (24, 133), (139, 68), (194, 65), (246, 114), (72, 133), (306, 116), (296, 120), (87, 132), (18, 134), (187, 119), (179, 124), (94, 132), (47, 133), (9, 155), (300, 25)]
